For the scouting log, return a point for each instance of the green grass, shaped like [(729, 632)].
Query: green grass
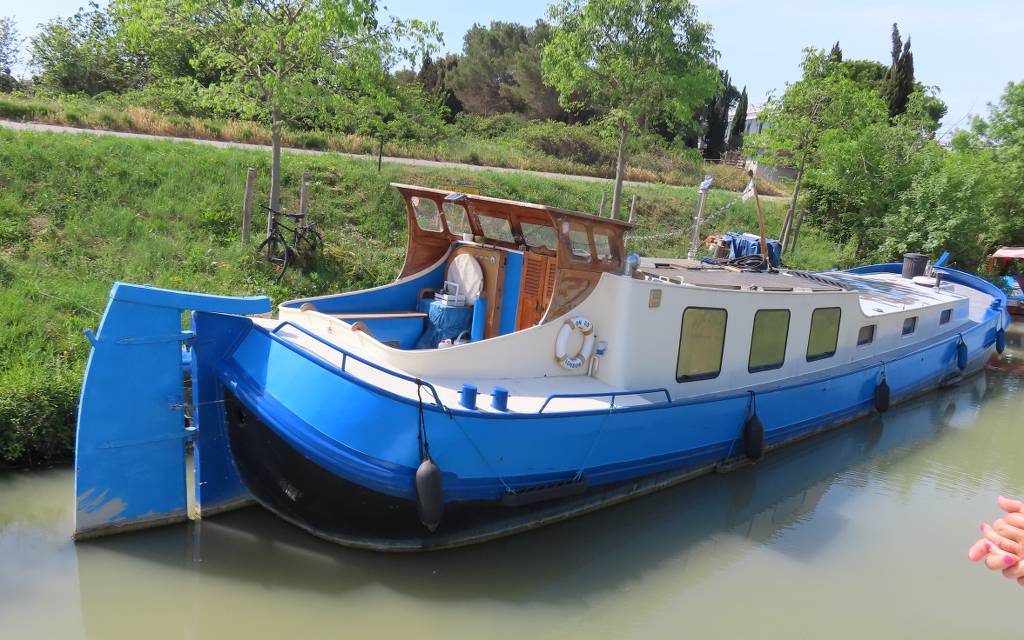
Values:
[(78, 212), (498, 141)]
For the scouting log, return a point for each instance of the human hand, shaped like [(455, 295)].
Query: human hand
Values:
[(1002, 544)]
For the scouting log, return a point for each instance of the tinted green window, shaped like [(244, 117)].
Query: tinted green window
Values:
[(824, 335), (701, 341), (768, 340)]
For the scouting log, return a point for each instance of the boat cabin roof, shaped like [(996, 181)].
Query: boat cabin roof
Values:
[(438, 218)]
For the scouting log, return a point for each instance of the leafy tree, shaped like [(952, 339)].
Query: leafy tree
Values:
[(635, 62), (739, 122), (435, 78), (899, 80), (86, 54), (10, 52), (280, 53)]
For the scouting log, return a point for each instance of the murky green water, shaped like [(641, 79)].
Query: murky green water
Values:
[(860, 533)]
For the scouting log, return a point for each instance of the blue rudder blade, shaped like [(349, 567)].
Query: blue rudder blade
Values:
[(218, 486), (130, 451)]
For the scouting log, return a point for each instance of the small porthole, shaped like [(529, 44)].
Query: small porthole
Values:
[(945, 316), (909, 325), (866, 335)]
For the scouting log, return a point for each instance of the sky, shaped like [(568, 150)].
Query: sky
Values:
[(970, 50)]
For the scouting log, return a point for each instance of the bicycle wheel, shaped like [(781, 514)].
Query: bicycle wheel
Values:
[(278, 254), (312, 240)]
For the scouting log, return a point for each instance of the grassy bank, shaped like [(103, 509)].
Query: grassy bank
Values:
[(78, 212), (500, 141)]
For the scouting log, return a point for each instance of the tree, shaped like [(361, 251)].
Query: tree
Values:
[(836, 54), (10, 53), (435, 78), (716, 118), (279, 53), (86, 54), (635, 62), (739, 122), (899, 80)]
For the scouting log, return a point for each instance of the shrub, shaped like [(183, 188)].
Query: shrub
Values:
[(18, 110), (37, 419), (310, 140)]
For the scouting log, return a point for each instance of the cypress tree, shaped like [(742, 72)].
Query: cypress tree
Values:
[(836, 55), (717, 110), (899, 79), (739, 122)]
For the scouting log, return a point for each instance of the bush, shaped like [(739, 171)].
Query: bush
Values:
[(18, 110), (37, 419), (310, 140), (569, 142)]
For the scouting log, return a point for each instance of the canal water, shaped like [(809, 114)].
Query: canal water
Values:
[(859, 533)]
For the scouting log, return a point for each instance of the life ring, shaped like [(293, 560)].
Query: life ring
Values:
[(586, 329)]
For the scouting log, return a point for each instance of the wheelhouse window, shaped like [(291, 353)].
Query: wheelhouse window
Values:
[(945, 316), (579, 242), (824, 334), (427, 216), (495, 228), (457, 218), (539, 235), (768, 340), (866, 335), (909, 325), (701, 342), (603, 245)]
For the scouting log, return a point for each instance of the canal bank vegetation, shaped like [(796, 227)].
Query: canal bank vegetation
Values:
[(78, 212)]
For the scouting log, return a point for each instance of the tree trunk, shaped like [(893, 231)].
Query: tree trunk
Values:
[(788, 224), (380, 153), (275, 163), (620, 169), (796, 231)]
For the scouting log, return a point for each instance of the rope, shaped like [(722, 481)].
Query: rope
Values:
[(422, 435), (751, 410), (686, 231), (483, 458)]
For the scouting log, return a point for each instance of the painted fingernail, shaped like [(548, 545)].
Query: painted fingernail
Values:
[(1007, 560), (981, 527), (988, 547)]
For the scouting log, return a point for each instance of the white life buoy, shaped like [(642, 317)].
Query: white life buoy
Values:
[(586, 329)]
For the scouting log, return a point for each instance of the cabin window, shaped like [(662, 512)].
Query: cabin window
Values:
[(866, 335), (824, 334), (603, 246), (427, 216), (768, 340), (945, 316), (579, 242), (495, 228), (539, 235), (701, 342), (909, 325), (458, 219)]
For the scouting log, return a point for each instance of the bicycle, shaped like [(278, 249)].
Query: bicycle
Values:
[(305, 237)]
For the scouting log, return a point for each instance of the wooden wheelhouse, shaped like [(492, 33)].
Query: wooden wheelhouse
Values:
[(563, 252)]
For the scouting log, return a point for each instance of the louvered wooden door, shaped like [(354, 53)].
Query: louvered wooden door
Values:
[(536, 288)]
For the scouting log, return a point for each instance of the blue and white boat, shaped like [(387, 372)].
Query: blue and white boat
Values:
[(521, 370)]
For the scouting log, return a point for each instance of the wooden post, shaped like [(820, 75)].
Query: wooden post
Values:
[(632, 208), (250, 183), (760, 217), (600, 209), (304, 194)]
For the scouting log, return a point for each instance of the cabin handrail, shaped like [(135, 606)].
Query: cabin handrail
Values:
[(605, 394), (346, 354)]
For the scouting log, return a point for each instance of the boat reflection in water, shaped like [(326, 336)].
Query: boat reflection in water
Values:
[(214, 570)]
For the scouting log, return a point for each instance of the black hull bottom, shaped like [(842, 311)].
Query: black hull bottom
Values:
[(305, 494)]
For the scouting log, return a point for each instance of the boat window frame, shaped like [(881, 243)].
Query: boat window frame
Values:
[(414, 202), (871, 340), (482, 216), (785, 343), (578, 227), (825, 355), (913, 326), (466, 218), (945, 316), (721, 352)]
